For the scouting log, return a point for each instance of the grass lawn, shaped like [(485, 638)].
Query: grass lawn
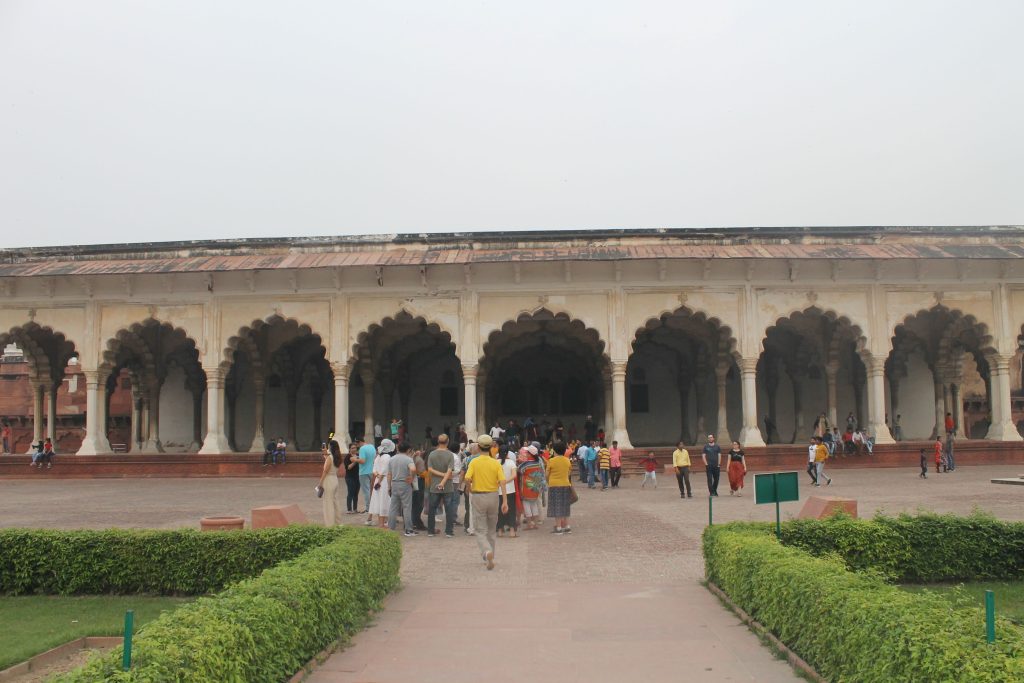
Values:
[(35, 623), (1009, 595)]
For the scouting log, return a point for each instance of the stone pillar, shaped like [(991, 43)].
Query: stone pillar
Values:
[(609, 413), (832, 400), (751, 434), (197, 421), (37, 412), (481, 405), (1002, 428), (51, 414), (940, 404), (216, 442), (316, 394), (153, 444), (894, 398), (684, 409), (341, 419), (958, 410), (469, 375), (700, 384), (722, 423), (619, 432), (291, 398), (367, 376), (259, 437), (95, 441), (135, 438), (876, 401), (798, 407)]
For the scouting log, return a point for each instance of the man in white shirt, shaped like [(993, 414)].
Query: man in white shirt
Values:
[(496, 431), (812, 469), (378, 434)]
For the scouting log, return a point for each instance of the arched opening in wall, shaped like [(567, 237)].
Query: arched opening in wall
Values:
[(548, 370), (410, 376), (811, 376), (279, 385), (39, 380), (691, 385), (154, 383), (938, 365)]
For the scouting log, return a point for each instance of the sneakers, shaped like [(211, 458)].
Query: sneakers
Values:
[(829, 481), (368, 522), (431, 534), (557, 530), (489, 559), (407, 534), (447, 535)]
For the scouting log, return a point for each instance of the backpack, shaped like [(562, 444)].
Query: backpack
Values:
[(533, 480)]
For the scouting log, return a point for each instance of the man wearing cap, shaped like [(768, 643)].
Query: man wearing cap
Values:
[(485, 479), (367, 452)]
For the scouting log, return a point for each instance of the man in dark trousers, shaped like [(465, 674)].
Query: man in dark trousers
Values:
[(712, 457)]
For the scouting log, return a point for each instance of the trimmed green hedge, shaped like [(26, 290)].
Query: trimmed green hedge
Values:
[(179, 562), (854, 626), (922, 549), (265, 628)]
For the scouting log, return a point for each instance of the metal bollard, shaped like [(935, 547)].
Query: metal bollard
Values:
[(990, 617), (129, 622)]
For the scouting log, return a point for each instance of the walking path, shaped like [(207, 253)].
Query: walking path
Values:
[(619, 597)]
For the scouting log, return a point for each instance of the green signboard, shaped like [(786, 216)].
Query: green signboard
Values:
[(776, 487)]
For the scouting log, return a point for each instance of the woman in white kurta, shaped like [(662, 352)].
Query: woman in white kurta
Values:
[(380, 499)]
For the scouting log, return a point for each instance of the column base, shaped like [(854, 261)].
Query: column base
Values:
[(94, 446), (882, 434), (723, 438), (622, 436), (259, 442), (751, 436), (194, 447), (152, 446), (215, 444), (1005, 431)]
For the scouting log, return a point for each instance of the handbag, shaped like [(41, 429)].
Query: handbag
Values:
[(573, 496), (319, 491)]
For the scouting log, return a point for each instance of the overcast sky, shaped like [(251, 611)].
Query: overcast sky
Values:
[(142, 120)]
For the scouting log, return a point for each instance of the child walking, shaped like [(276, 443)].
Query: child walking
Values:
[(924, 464), (650, 470)]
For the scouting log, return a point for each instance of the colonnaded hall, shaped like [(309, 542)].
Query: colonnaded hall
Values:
[(660, 335)]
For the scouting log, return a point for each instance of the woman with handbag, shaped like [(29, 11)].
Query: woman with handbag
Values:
[(561, 495), (327, 487)]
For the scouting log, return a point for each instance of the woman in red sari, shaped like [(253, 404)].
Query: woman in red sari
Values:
[(737, 469)]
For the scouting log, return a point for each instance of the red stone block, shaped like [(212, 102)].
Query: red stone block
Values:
[(822, 507), (277, 515)]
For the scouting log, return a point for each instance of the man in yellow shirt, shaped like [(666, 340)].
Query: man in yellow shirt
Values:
[(681, 461), (484, 479), (820, 456)]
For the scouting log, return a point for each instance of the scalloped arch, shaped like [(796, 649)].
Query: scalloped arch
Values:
[(245, 331), (403, 314), (543, 313), (130, 336), (860, 338), (723, 331)]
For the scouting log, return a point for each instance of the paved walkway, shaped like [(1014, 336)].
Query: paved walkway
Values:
[(620, 597)]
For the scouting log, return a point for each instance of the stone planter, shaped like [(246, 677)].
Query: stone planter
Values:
[(221, 524)]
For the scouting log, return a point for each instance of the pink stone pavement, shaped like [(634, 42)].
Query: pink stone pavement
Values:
[(618, 599)]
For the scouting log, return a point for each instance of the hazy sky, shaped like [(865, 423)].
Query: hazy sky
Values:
[(143, 120)]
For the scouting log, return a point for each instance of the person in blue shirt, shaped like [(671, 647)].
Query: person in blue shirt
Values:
[(591, 459), (367, 452)]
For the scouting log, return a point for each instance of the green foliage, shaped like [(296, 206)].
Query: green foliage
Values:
[(919, 549), (179, 562), (265, 628), (853, 626)]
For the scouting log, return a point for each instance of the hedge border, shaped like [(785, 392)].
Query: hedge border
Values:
[(263, 628), (854, 626)]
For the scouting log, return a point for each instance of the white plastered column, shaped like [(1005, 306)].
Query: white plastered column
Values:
[(619, 433), (876, 400), (216, 442), (259, 438), (367, 377), (37, 414), (722, 422), (95, 441), (341, 418), (51, 414), (751, 433), (469, 375), (1002, 428)]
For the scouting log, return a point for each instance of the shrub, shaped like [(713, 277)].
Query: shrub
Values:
[(185, 562), (921, 549), (264, 628), (852, 626)]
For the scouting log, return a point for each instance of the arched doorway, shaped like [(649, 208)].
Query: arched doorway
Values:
[(811, 365), (682, 381), (548, 367), (154, 389), (46, 354), (279, 384), (406, 370), (939, 364)]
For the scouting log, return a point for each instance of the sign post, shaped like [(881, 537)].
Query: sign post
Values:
[(777, 487)]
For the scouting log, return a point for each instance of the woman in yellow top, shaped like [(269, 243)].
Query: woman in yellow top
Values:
[(559, 489)]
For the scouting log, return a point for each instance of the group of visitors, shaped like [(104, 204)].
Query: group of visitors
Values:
[(275, 451), (597, 462), (42, 454), (504, 489), (711, 456)]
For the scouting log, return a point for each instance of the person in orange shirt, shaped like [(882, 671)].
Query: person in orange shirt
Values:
[(938, 454)]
